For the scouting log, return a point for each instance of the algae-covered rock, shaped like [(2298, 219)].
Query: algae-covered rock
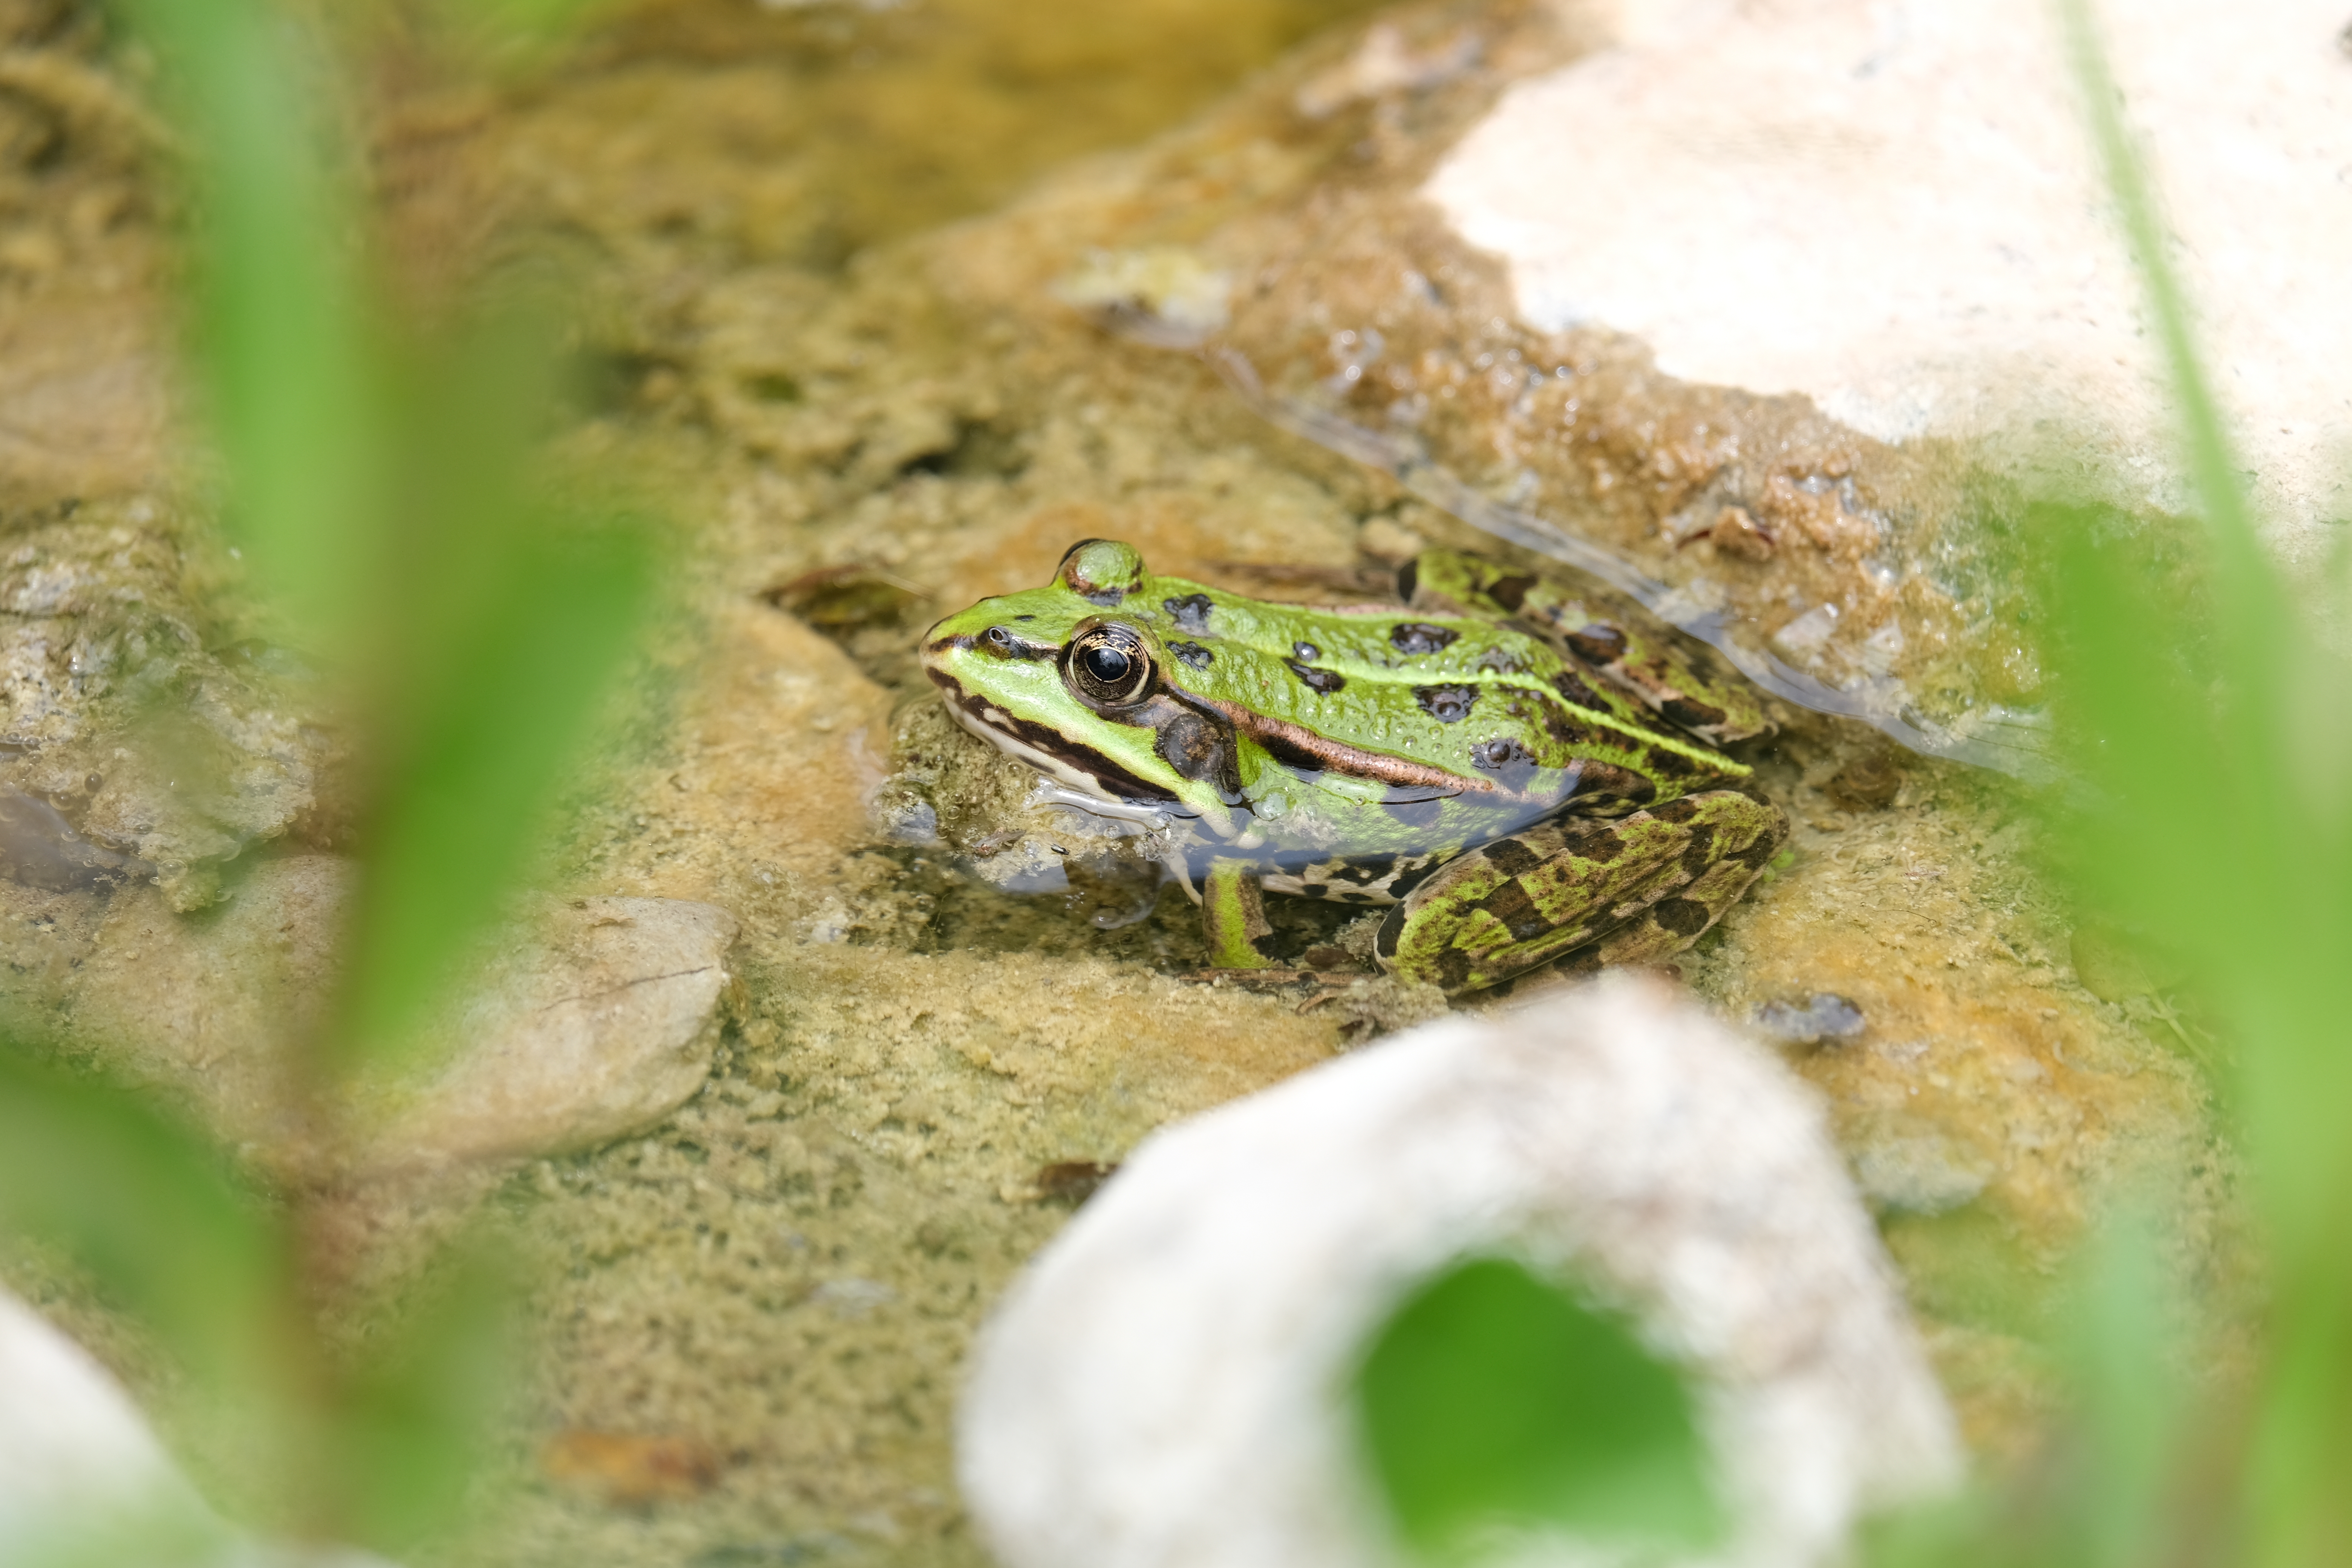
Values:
[(144, 739), (594, 1021)]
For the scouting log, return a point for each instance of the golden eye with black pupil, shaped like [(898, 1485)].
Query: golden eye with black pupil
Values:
[(1110, 666)]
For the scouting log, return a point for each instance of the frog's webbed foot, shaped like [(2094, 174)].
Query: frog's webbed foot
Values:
[(1634, 891)]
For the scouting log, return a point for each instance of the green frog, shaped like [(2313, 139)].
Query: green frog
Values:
[(1516, 776)]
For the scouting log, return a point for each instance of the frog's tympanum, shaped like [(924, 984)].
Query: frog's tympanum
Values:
[(1518, 779)]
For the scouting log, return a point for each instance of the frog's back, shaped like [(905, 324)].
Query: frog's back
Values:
[(1428, 706)]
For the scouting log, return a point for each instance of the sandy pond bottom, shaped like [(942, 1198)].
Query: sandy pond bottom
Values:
[(746, 1326)]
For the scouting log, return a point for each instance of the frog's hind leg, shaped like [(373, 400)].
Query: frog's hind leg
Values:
[(1632, 890)]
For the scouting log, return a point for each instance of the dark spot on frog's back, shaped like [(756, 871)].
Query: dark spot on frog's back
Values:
[(1699, 853), (1419, 637), (1511, 905), (1510, 591), (1598, 643), (1323, 680), (1690, 713), (1190, 613), (1446, 704), (1684, 917), (1570, 685), (1192, 653), (1567, 730), (1511, 857)]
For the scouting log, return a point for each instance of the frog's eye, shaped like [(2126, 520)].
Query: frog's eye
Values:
[(1109, 666)]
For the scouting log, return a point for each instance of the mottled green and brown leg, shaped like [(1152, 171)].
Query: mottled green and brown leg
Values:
[(1232, 916), (1632, 890), (1605, 632)]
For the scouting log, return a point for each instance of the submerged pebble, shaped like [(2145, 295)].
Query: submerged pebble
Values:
[(39, 848), (1821, 1018)]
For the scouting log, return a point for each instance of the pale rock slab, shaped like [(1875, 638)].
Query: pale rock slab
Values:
[(1161, 1388), (1892, 206), (592, 1018), (597, 1022)]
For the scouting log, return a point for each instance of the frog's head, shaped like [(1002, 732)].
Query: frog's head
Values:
[(1059, 677)]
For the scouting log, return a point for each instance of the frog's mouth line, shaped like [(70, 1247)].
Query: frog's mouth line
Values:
[(1089, 773)]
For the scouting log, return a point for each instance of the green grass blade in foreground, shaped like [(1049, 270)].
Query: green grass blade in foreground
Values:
[(2127, 1393), (285, 362), (1492, 1399), (413, 1422), (2212, 465), (2273, 899), (454, 822), (147, 1211)]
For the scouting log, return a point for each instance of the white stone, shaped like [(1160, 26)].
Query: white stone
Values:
[(591, 1019), (1161, 1388), (1892, 206), (83, 1479), (75, 1451)]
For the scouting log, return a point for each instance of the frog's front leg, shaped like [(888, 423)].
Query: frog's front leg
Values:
[(1637, 888), (1232, 916)]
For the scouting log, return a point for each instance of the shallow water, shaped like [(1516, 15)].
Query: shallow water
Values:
[(805, 372)]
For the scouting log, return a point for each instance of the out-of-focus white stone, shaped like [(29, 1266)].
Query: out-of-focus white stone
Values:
[(1162, 1388), (83, 1480), (594, 1022), (74, 1447), (1892, 206)]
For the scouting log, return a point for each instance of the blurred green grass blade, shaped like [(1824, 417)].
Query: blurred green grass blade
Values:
[(2211, 465), (455, 820), (280, 322), (1492, 1397), (2259, 884), (147, 1210), (415, 1419), (2126, 1392), (2254, 621)]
